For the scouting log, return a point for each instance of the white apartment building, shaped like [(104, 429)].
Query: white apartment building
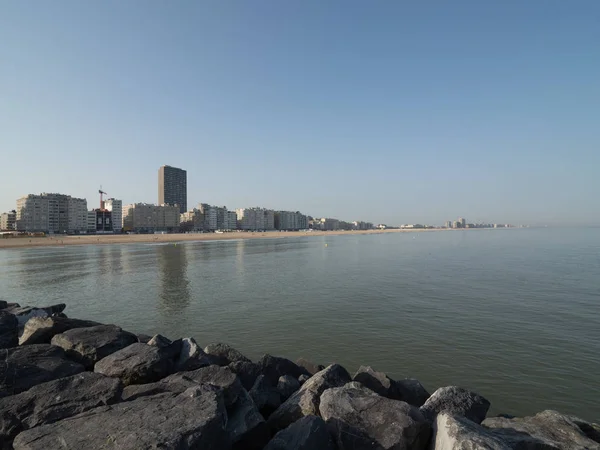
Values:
[(49, 213), (91, 221), (8, 220), (116, 208), (149, 218), (78, 215), (256, 219)]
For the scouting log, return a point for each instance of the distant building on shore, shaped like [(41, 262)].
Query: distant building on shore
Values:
[(149, 218), (255, 219), (290, 221), (172, 187), (51, 213), (116, 209), (8, 220)]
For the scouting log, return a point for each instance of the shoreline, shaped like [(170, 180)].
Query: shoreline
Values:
[(113, 239)]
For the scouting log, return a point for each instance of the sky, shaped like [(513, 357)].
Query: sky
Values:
[(392, 112)]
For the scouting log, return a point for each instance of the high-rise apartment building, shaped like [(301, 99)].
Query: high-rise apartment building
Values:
[(172, 187), (77, 215), (290, 221), (50, 213), (116, 208), (256, 219)]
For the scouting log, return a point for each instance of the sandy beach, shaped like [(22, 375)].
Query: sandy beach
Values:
[(60, 240)]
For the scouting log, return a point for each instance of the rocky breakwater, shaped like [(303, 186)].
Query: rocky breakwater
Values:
[(74, 384)]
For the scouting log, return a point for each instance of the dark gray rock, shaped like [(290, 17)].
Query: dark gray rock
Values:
[(411, 391), (138, 364), (553, 429), (359, 419), (287, 385), (24, 367), (274, 367), (456, 401), (591, 430), (266, 397), (305, 401), (143, 338), (3, 304), (158, 340), (41, 330), (408, 390), (247, 372), (55, 400), (89, 345), (224, 354), (245, 425), (310, 367), (9, 330), (191, 356), (302, 379), (24, 313), (308, 433), (194, 419), (176, 383)]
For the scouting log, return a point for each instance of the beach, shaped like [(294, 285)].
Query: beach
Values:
[(61, 240)]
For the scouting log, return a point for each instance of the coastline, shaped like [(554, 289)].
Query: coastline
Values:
[(63, 240)]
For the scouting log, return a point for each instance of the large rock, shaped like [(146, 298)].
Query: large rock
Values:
[(41, 330), (359, 419), (3, 304), (191, 356), (245, 425), (308, 433), (247, 372), (24, 367), (305, 401), (24, 313), (287, 385), (550, 427), (158, 340), (224, 354), (456, 401), (310, 367), (411, 391), (9, 330), (274, 367), (408, 390), (459, 433), (176, 383), (89, 345), (193, 419), (266, 397), (137, 364), (55, 400)]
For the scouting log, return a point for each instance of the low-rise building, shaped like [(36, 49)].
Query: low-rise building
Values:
[(8, 220), (150, 218)]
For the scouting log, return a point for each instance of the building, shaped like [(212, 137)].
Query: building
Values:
[(209, 213), (91, 221), (116, 208), (231, 220), (172, 187), (99, 221), (77, 217), (463, 222), (49, 213), (359, 225), (448, 224), (8, 220), (255, 219), (290, 221), (149, 218)]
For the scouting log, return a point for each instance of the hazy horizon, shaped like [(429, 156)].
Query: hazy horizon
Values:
[(392, 113)]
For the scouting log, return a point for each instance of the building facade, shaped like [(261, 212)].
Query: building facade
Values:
[(255, 219), (50, 213), (116, 209), (290, 221), (149, 218), (77, 215), (172, 187), (8, 220)]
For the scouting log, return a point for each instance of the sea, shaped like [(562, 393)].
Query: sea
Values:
[(513, 314)]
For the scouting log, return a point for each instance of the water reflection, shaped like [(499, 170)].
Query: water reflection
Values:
[(174, 289), (37, 270)]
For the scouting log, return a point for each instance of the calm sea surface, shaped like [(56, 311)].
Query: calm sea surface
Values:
[(512, 314)]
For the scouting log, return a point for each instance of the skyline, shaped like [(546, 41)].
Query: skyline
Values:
[(412, 113)]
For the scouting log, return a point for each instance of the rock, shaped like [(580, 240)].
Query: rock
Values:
[(224, 354), (408, 390), (192, 357), (247, 372), (310, 367), (358, 419), (3, 304), (553, 429), (302, 379), (245, 425), (9, 330), (193, 419), (459, 433), (24, 367), (411, 391), (55, 400), (143, 338), (89, 345), (24, 313), (266, 397), (158, 340), (456, 401), (308, 433), (176, 383), (591, 430), (41, 330), (287, 385), (138, 364), (305, 401), (273, 367)]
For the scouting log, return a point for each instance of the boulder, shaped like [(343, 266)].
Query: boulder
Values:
[(274, 367), (138, 364), (55, 400), (308, 433), (245, 425), (143, 338), (89, 345), (24, 313), (3, 304), (224, 354), (310, 367), (287, 385), (302, 379), (459, 433), (305, 401), (553, 429), (158, 340), (359, 419), (192, 357), (176, 383), (411, 391), (266, 397), (247, 372), (456, 401), (24, 367), (408, 390), (9, 330), (41, 330), (193, 419)]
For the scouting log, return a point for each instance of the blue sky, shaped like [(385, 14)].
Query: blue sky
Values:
[(395, 112)]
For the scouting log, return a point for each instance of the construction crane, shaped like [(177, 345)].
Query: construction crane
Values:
[(101, 192)]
